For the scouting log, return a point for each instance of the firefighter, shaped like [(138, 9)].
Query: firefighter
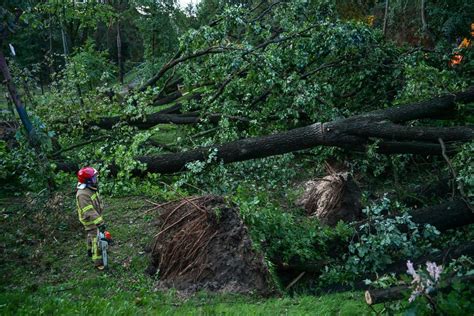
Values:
[(89, 209)]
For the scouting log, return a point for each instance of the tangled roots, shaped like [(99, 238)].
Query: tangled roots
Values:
[(332, 198), (203, 244)]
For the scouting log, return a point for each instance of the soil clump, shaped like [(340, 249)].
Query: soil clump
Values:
[(203, 244)]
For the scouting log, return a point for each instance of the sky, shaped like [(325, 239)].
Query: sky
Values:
[(184, 3)]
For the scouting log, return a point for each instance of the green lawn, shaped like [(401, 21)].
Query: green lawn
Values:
[(44, 270)]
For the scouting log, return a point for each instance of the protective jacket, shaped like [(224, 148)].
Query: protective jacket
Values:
[(89, 208)]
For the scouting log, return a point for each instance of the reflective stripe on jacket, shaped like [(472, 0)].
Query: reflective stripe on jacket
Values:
[(89, 208)]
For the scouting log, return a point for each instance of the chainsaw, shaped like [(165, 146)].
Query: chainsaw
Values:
[(103, 240)]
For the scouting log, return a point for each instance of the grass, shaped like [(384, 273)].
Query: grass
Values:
[(44, 269)]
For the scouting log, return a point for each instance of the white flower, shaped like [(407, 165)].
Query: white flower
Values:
[(434, 270), (413, 296), (411, 271)]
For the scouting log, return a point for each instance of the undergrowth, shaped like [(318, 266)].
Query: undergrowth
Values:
[(44, 268)]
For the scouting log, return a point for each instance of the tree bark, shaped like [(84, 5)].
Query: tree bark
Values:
[(448, 215), (391, 294), (385, 18), (119, 53), (439, 107), (168, 99), (66, 61), (164, 118), (451, 214), (353, 133), (422, 133), (336, 133), (427, 34), (175, 109)]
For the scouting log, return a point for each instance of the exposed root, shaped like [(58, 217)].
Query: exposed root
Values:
[(332, 198), (203, 244)]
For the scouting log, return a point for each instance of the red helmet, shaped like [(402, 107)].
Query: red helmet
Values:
[(87, 175)]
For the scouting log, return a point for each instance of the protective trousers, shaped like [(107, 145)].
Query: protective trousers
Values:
[(92, 245)]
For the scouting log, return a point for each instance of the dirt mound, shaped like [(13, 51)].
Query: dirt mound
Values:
[(202, 244), (332, 198)]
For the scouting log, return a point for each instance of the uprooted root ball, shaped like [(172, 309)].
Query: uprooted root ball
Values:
[(202, 244), (332, 198)]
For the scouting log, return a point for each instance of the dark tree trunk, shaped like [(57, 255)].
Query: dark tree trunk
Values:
[(168, 99), (448, 215), (119, 53), (385, 18), (427, 34), (66, 54), (353, 133), (164, 118)]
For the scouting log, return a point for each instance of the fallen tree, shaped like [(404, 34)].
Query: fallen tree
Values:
[(353, 133), (444, 216), (164, 117)]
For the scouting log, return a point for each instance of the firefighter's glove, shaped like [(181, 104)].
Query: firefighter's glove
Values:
[(102, 228)]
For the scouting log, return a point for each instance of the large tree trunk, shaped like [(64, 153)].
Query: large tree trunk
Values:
[(353, 133), (32, 136)]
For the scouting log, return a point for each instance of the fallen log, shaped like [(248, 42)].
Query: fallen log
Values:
[(15, 97), (149, 121), (447, 215), (444, 216), (343, 133), (154, 119), (167, 99), (175, 109), (379, 296), (373, 297)]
